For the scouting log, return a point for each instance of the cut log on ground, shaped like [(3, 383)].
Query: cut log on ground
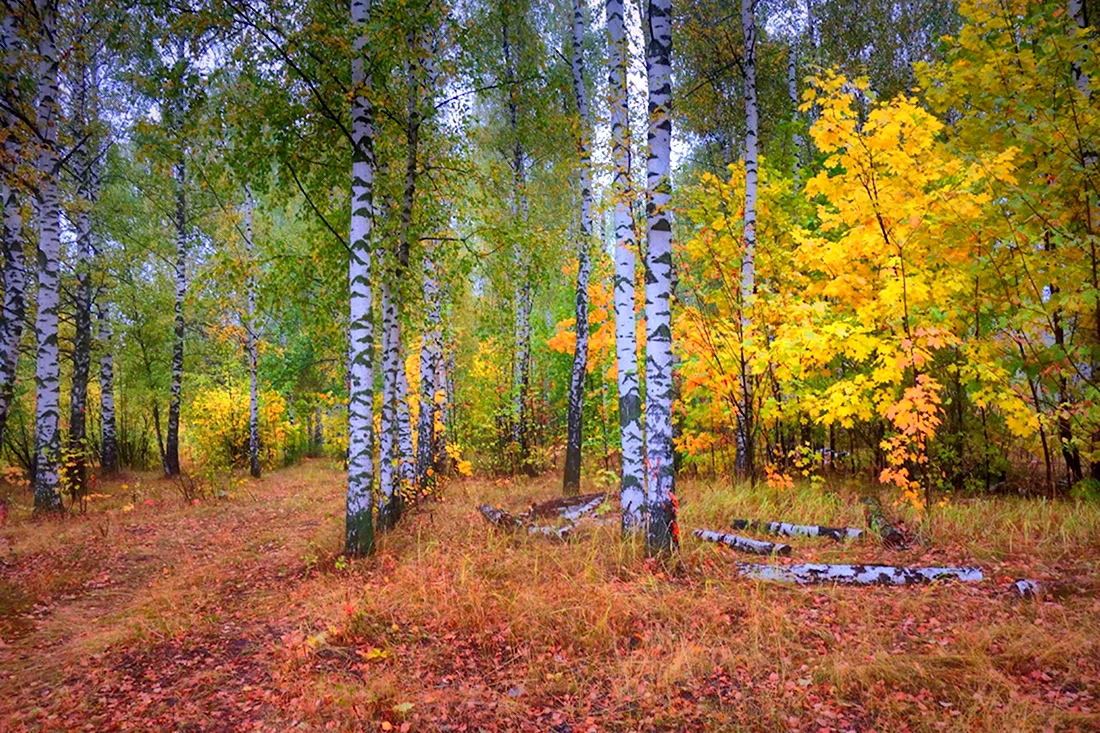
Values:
[(570, 508), (881, 525), (1025, 588), (743, 544), (500, 518), (785, 529), (814, 573)]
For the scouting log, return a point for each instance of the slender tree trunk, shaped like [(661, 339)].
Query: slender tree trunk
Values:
[(14, 305), (47, 377), (431, 389), (575, 417), (250, 337), (108, 460), (522, 365), (632, 490), (792, 92), (82, 336), (745, 416), (406, 462), (663, 533), (387, 439), (359, 524), (172, 442)]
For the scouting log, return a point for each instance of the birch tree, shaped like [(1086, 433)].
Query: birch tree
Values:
[(108, 453), (745, 429), (85, 83), (521, 369), (575, 417), (13, 309), (250, 342), (632, 487), (662, 535), (47, 376), (359, 523)]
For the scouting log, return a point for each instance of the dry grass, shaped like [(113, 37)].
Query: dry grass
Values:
[(241, 614)]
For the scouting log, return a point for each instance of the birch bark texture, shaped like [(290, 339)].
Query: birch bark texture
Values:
[(521, 370), (745, 428), (662, 534), (108, 454), (250, 341), (632, 480), (13, 309), (47, 374), (172, 440), (575, 414), (359, 521)]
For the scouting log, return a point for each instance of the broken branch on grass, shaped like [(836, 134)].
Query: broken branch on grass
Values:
[(879, 523), (570, 508), (502, 519), (785, 529), (814, 573), (744, 544)]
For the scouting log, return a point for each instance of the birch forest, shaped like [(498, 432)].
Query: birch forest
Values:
[(550, 365)]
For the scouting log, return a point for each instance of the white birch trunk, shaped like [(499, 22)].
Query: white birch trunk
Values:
[(521, 370), (13, 309), (575, 415), (792, 92), (387, 455), (1077, 15), (745, 430), (662, 534), (47, 376), (172, 441), (250, 337), (786, 529), (431, 346), (108, 421), (406, 457), (632, 487), (359, 524)]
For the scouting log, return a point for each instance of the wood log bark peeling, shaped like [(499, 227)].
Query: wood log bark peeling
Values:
[(786, 529), (500, 518), (815, 573), (743, 544), (570, 508)]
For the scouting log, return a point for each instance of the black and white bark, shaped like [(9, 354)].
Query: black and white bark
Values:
[(575, 415), (743, 544), (87, 158), (502, 519), (521, 370), (359, 522), (251, 342), (13, 308), (814, 574), (172, 439), (632, 476), (662, 534), (432, 390), (388, 456), (108, 454), (47, 376), (786, 529), (745, 408)]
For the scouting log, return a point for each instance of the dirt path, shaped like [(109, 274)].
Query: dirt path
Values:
[(166, 615)]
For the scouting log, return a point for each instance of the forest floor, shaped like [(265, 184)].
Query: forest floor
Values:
[(150, 613)]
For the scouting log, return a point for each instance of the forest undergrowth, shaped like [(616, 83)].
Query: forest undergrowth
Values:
[(152, 613)]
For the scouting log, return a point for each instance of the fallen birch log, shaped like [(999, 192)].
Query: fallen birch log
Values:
[(785, 529), (500, 518), (570, 508), (880, 524), (1025, 588), (744, 544), (814, 573)]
